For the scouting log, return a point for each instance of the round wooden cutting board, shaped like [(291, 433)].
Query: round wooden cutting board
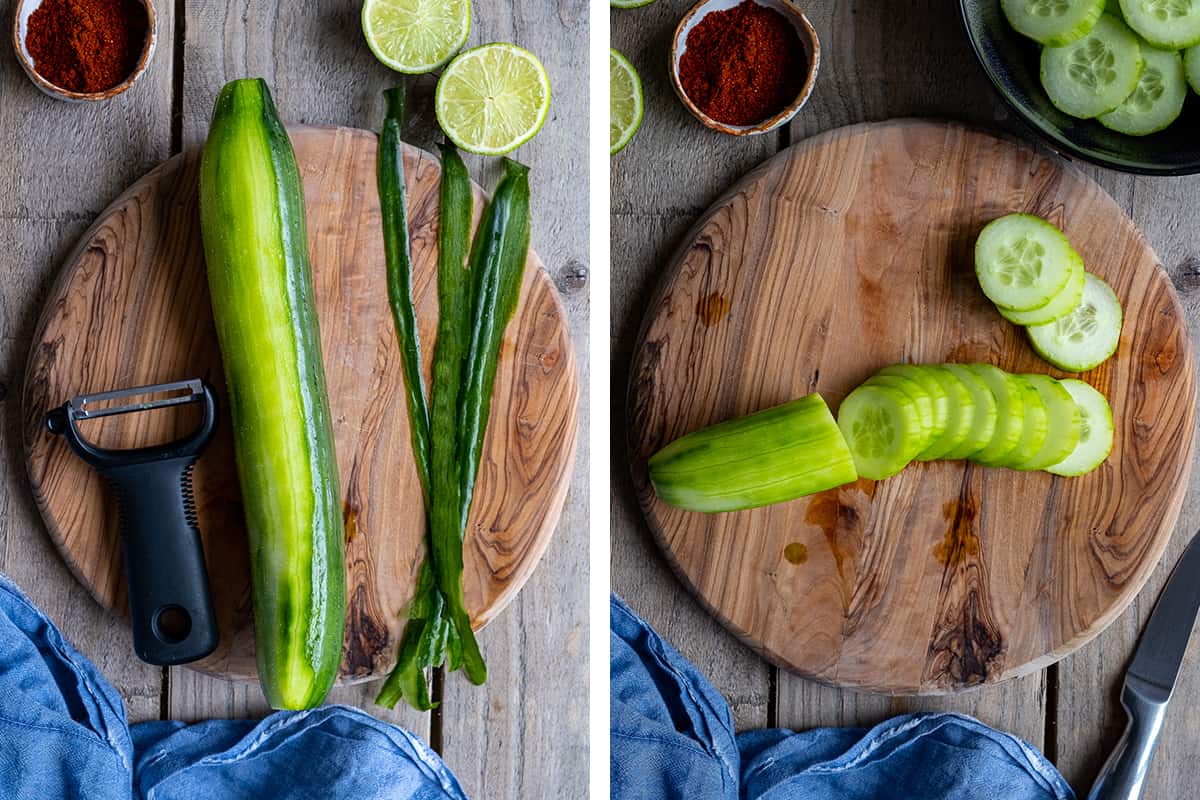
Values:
[(131, 307), (854, 250)]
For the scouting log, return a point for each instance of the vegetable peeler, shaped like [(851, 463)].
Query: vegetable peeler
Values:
[(170, 606)]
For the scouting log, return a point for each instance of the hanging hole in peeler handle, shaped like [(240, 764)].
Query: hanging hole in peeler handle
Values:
[(172, 624)]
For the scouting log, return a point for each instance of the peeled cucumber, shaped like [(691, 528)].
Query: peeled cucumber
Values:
[(984, 412), (1063, 421), (883, 428), (771, 456), (1010, 414)]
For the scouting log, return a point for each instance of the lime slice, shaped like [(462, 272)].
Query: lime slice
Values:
[(625, 103), (416, 36), (629, 3), (493, 99)]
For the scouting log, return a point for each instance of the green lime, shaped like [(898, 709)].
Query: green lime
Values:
[(629, 3), (416, 36), (625, 104), (492, 99)]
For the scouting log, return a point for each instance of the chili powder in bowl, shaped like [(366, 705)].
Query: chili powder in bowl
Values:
[(744, 66), (79, 50)]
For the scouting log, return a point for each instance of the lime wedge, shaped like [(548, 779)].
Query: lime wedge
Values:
[(629, 3), (416, 36), (625, 104), (492, 99)]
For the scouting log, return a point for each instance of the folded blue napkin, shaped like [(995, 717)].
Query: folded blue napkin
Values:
[(672, 738), (63, 734)]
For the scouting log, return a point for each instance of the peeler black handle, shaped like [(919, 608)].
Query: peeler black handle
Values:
[(170, 606)]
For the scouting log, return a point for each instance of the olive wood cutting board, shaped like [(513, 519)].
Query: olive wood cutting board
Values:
[(131, 307), (854, 250)]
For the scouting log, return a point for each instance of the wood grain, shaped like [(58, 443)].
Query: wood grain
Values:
[(853, 251), (131, 307)]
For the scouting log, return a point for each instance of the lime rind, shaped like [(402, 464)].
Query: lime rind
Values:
[(381, 24), (626, 103), (493, 98)]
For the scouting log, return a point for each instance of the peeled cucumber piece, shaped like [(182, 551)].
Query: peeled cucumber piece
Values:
[(984, 412), (1095, 431), (1063, 421), (922, 400), (883, 428), (1191, 67), (1022, 262), (771, 456), (1060, 305), (1010, 414), (1052, 22), (1158, 99), (1093, 75), (1035, 424), (939, 403), (960, 414), (1166, 24), (1086, 337)]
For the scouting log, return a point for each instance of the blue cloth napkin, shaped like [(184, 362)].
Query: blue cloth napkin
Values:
[(63, 734), (672, 738)]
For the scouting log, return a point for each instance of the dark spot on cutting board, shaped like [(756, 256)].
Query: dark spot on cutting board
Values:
[(712, 309), (366, 635), (960, 542), (966, 644), (350, 518), (796, 553)]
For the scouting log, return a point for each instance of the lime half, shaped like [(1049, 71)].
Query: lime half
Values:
[(493, 99), (625, 104), (416, 36), (629, 3)]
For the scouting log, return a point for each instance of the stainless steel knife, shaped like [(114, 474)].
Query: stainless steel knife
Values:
[(1151, 679)]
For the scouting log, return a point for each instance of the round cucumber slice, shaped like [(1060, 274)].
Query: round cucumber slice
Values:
[(1062, 433), (1086, 337), (920, 398), (1093, 75), (1166, 24), (1158, 99), (1052, 22), (1010, 414), (984, 414), (1060, 305), (1095, 431), (939, 402), (960, 412), (1035, 425), (1022, 261), (1191, 67), (882, 427)]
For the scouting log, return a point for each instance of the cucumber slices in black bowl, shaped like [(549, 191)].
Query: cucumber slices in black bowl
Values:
[(1013, 63)]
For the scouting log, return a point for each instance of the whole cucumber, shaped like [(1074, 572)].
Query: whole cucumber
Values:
[(252, 219)]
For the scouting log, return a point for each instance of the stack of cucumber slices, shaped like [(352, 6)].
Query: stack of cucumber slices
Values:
[(912, 412), (1127, 65), (1029, 269)]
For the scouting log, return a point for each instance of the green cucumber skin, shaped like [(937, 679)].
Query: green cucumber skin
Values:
[(1063, 418), (751, 461), (1010, 415), (1081, 29), (256, 249), (1035, 425)]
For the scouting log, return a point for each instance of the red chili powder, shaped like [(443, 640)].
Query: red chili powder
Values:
[(86, 45), (743, 65)]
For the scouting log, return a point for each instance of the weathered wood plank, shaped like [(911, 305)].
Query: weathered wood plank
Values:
[(524, 733), (65, 163)]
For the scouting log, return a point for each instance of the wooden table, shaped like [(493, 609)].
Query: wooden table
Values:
[(879, 59), (523, 733)]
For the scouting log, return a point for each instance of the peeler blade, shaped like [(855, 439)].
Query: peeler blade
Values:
[(84, 406)]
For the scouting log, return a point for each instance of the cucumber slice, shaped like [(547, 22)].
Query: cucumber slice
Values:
[(1060, 305), (1093, 75), (1158, 99), (1035, 425), (960, 413), (939, 401), (1022, 261), (1095, 431), (920, 397), (1052, 22), (1086, 337), (1010, 414), (1166, 24), (984, 412), (882, 427), (1062, 413), (1191, 66)]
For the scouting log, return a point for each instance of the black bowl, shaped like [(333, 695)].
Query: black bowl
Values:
[(1011, 61)]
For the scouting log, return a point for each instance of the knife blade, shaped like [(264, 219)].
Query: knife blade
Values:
[(1150, 680)]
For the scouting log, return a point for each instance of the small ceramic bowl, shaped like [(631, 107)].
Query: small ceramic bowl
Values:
[(25, 9), (1012, 63), (808, 40)]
